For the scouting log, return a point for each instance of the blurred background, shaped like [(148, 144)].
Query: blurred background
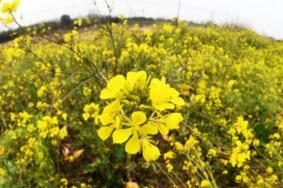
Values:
[(263, 16)]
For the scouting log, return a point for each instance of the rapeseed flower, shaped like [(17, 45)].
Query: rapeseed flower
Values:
[(135, 93)]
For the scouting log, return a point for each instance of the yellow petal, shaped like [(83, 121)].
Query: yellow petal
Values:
[(178, 101), (117, 123), (106, 94), (106, 119), (116, 82), (173, 120), (133, 145), (138, 118), (163, 129), (113, 107), (165, 106), (121, 135), (149, 151), (108, 115), (156, 93), (149, 129), (114, 88), (104, 132), (136, 80)]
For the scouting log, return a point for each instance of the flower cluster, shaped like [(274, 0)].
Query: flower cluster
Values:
[(241, 153), (6, 10), (139, 108)]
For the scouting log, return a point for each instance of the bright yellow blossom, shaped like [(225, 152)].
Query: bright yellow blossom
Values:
[(164, 97), (137, 129)]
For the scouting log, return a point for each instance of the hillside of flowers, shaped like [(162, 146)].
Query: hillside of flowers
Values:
[(119, 105)]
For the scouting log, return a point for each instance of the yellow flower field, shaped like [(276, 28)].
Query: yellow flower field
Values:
[(129, 106)]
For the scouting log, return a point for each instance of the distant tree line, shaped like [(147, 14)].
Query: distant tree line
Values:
[(66, 22)]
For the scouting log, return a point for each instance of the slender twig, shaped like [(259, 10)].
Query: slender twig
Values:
[(109, 29), (96, 71), (165, 173), (178, 13), (75, 88)]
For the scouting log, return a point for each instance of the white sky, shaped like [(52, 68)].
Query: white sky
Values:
[(264, 16)]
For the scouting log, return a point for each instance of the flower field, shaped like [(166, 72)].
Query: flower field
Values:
[(129, 106)]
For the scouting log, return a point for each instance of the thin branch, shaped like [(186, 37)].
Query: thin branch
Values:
[(95, 70), (77, 87), (178, 13)]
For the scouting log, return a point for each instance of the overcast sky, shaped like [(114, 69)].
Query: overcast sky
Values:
[(264, 16)]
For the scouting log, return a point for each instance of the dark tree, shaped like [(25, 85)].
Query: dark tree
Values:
[(66, 21)]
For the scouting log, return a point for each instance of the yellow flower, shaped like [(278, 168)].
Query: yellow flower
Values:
[(131, 95), (212, 152), (114, 88), (240, 154), (275, 136), (25, 117), (178, 146), (8, 7), (91, 111), (191, 142), (136, 80), (41, 91), (1, 150), (269, 170), (54, 131), (225, 172), (63, 132), (2, 172), (169, 155), (118, 86), (69, 37), (109, 119), (205, 183), (169, 167), (86, 116), (164, 97), (274, 178), (64, 181), (169, 122), (86, 91), (64, 116), (256, 142), (122, 135), (78, 22), (139, 139), (149, 151), (238, 178)]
